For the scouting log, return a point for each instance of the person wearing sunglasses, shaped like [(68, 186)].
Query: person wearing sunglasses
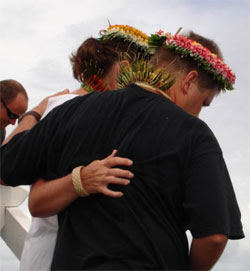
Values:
[(14, 102)]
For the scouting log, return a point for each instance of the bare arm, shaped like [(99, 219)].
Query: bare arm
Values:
[(29, 121), (51, 197), (26, 124), (205, 252)]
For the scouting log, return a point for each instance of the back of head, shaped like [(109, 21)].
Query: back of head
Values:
[(10, 88), (94, 54), (97, 56), (194, 52), (207, 43)]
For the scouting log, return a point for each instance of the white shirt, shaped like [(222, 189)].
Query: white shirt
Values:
[(40, 241)]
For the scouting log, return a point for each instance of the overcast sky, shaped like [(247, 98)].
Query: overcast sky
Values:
[(37, 38)]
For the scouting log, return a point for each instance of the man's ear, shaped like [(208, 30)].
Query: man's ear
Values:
[(188, 81)]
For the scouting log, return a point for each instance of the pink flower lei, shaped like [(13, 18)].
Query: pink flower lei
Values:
[(204, 58)]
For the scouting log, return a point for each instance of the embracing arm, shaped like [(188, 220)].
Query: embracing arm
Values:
[(205, 251), (27, 123), (30, 121), (50, 197)]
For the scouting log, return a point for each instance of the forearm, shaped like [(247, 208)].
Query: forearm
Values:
[(26, 124), (29, 121), (51, 197), (205, 252)]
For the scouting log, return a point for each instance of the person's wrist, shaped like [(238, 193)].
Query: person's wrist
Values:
[(77, 182), (32, 113), (39, 109)]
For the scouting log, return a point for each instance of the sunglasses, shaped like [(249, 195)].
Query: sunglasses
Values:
[(10, 114)]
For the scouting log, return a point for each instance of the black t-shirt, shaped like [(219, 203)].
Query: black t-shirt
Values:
[(181, 181), (2, 136)]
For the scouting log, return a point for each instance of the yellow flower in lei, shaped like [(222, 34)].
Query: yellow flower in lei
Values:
[(91, 76), (134, 33), (127, 33)]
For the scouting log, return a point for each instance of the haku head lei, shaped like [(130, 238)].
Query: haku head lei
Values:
[(139, 71), (204, 58), (128, 34), (91, 77)]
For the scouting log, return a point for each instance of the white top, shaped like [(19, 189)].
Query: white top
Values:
[(41, 239)]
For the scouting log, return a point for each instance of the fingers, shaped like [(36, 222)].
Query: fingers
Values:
[(65, 91), (113, 194), (118, 161), (114, 152), (120, 173), (116, 180), (100, 173)]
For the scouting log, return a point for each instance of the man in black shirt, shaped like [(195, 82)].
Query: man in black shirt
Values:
[(181, 180)]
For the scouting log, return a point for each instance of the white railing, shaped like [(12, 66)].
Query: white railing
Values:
[(14, 223)]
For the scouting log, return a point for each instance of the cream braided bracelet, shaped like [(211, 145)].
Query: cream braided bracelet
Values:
[(77, 182)]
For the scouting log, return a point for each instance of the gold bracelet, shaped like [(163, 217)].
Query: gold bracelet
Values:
[(77, 182)]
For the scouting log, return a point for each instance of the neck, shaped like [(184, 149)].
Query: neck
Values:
[(153, 89)]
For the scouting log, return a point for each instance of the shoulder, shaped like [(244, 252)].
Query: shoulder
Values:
[(58, 100), (203, 138)]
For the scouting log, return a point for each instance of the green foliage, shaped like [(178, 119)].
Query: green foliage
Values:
[(156, 40), (141, 71), (91, 75)]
